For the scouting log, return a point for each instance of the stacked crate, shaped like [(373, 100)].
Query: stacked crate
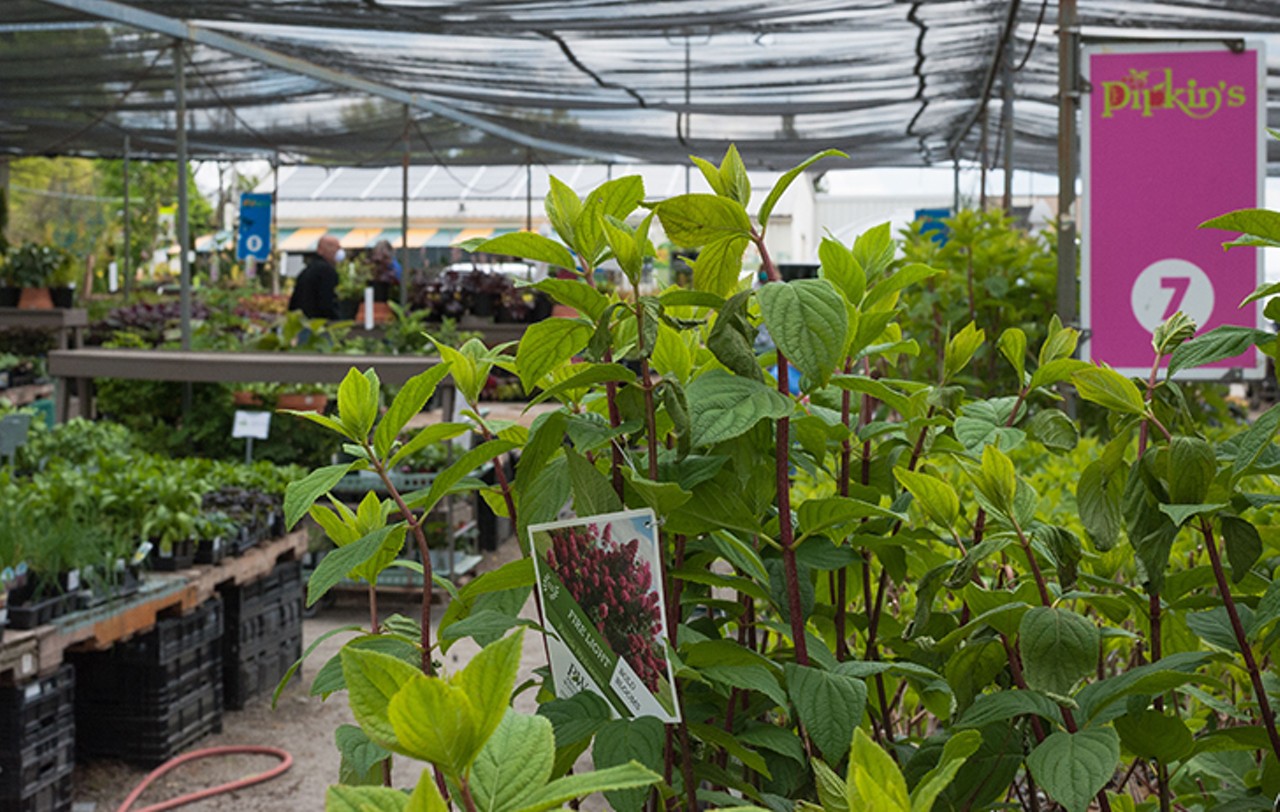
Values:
[(149, 698), (37, 744), (264, 633)]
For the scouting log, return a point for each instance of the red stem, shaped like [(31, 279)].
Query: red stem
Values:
[(786, 534)]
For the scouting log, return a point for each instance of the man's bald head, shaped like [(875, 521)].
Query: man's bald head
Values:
[(328, 247)]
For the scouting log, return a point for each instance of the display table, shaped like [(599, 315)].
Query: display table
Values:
[(79, 367), (39, 651)]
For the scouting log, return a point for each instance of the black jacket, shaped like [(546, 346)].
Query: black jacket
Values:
[(316, 291)]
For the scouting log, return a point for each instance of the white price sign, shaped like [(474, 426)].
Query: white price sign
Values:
[(256, 425)]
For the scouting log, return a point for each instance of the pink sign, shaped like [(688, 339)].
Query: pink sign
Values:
[(1172, 137)]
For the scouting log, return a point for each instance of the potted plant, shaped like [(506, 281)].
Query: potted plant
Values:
[(350, 290), (30, 268), (62, 283)]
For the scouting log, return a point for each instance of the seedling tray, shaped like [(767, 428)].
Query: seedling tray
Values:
[(31, 615)]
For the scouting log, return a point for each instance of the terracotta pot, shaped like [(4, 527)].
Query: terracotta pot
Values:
[(35, 299), (243, 398), (302, 403)]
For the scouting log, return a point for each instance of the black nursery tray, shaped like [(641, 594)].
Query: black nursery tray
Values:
[(32, 614)]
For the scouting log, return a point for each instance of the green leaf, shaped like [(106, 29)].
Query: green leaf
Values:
[(1059, 343), (1254, 440), (1243, 543), (960, 350), (1268, 610), (835, 512), (725, 406), (996, 479), (694, 220), (301, 494), (622, 242), (364, 799), (624, 741), (1058, 648), (775, 194), (426, 795), (444, 482), (1192, 466), (528, 245), (877, 389), (546, 345), (1214, 626), (753, 677), (1151, 734), (842, 270), (874, 783), (339, 564), (435, 433), (489, 679), (734, 183), (1176, 329), (832, 789), (562, 790), (1013, 346), (372, 680), (1163, 675), (1181, 514), (1220, 343), (1056, 371), (515, 762), (1109, 389), (575, 293), (563, 208), (588, 376), (1004, 705), (450, 739), (357, 403), (807, 320), (718, 266), (1053, 429), (936, 497), (1074, 767), (361, 756), (1098, 496), (1261, 223), (954, 754), (886, 288), (873, 249), (321, 420), (408, 403), (592, 493), (829, 706)]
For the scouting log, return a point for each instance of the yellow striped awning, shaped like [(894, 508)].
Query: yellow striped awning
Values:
[(304, 239), (360, 237), (418, 237), (471, 234)]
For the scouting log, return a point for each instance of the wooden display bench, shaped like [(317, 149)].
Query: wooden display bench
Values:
[(80, 367), (28, 654)]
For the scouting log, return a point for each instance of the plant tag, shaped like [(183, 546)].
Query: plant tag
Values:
[(140, 555), (7, 576), (4, 615), (28, 663), (217, 545), (251, 424), (166, 552), (21, 569), (600, 580), (31, 692), (13, 432), (4, 379), (73, 580)]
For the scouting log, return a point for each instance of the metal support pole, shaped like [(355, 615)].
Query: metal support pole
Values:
[(180, 134), (404, 216), (275, 227), (1006, 126), (955, 185), (528, 190), (983, 158), (1068, 54), (128, 218)]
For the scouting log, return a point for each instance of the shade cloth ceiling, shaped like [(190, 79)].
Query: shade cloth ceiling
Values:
[(508, 81)]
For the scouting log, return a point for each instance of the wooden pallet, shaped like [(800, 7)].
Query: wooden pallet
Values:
[(27, 654)]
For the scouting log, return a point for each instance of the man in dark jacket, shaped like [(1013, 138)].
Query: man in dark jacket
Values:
[(316, 291)]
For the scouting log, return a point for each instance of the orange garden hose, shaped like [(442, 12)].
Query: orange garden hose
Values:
[(286, 761)]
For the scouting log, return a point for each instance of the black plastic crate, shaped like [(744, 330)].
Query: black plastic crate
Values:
[(40, 761), (28, 709), (269, 624), (148, 738), (52, 797), (174, 636), (285, 578), (260, 673), (111, 682)]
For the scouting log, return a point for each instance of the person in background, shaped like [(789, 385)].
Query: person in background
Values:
[(316, 291), (384, 262)]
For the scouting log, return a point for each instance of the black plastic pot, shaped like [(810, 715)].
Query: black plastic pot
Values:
[(348, 308), (63, 298), (9, 296), (381, 291)]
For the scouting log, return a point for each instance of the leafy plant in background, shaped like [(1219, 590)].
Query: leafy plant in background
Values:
[(889, 593)]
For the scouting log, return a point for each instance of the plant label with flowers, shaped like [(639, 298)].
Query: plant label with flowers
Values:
[(600, 582)]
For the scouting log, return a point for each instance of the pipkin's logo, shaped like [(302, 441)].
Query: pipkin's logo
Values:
[(1137, 92)]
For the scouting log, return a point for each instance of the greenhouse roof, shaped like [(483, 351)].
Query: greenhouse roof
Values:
[(892, 83)]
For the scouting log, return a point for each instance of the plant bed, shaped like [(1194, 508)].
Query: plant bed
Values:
[(179, 556), (29, 615)]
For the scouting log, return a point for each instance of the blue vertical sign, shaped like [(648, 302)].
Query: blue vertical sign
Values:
[(255, 227)]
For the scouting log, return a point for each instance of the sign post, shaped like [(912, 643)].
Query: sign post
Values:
[(1172, 136), (254, 242)]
